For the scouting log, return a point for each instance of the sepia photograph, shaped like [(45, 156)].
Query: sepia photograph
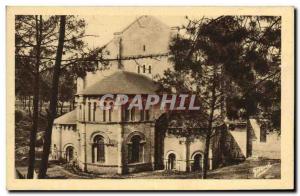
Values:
[(125, 96)]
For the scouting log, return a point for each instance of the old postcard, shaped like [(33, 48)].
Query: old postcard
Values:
[(150, 98)]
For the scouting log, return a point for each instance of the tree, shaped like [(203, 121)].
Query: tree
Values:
[(66, 90), (73, 67), (23, 33), (53, 100), (257, 74), (36, 45), (222, 59)]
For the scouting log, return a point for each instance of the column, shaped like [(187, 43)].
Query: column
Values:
[(83, 110), (59, 150), (92, 111), (84, 146), (79, 108), (120, 143)]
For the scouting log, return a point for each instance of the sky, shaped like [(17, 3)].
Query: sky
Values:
[(102, 27)]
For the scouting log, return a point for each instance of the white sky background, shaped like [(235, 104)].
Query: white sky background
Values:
[(104, 26)]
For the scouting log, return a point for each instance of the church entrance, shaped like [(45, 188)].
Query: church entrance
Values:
[(171, 161), (197, 162), (69, 153)]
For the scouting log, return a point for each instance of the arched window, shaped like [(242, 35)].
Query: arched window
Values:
[(197, 165), (142, 114), (98, 149), (144, 68), (135, 149), (171, 161)]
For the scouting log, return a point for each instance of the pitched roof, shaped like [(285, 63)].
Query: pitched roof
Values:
[(122, 82), (67, 119)]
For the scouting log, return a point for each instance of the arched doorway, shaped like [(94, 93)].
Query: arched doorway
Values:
[(171, 161), (69, 153), (197, 162)]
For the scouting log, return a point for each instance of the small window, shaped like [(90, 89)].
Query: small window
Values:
[(109, 114), (149, 69), (142, 115), (139, 69), (147, 115), (132, 114), (89, 111), (144, 68), (144, 48), (104, 113)]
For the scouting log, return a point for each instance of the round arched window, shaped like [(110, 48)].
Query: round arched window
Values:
[(135, 149), (98, 149)]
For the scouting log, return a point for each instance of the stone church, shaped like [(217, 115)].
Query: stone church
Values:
[(124, 141)]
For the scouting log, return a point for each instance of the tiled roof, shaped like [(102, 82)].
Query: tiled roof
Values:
[(122, 82), (67, 119)]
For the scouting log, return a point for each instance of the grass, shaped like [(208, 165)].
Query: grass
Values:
[(244, 170), (239, 171)]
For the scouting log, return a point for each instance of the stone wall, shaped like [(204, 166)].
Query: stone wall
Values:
[(62, 137)]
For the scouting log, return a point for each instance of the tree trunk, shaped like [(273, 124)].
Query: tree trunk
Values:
[(35, 117), (210, 125), (29, 106), (53, 100), (41, 106), (207, 144), (206, 156)]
